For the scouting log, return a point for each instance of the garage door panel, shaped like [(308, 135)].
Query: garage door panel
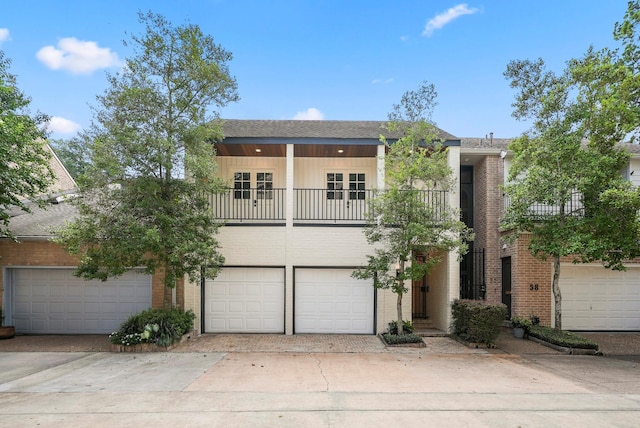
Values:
[(594, 298), (54, 301), (245, 300), (331, 301)]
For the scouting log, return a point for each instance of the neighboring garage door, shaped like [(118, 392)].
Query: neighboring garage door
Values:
[(595, 298), (53, 301), (245, 300), (331, 301)]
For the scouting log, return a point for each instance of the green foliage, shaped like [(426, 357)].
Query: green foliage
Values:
[(394, 339), (73, 155), (476, 321), (410, 217), (152, 160), (562, 338), (24, 158), (160, 326), (407, 327), (521, 322), (570, 159)]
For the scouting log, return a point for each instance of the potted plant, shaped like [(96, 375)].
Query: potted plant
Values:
[(521, 326), (6, 332)]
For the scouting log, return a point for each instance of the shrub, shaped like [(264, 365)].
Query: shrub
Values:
[(562, 338), (394, 339), (476, 321), (521, 322), (160, 326), (407, 327)]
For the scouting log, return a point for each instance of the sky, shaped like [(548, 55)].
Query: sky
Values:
[(312, 59)]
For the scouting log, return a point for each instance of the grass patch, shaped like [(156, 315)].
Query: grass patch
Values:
[(394, 339), (562, 338)]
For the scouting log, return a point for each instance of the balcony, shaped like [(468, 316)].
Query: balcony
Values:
[(310, 206), (573, 207)]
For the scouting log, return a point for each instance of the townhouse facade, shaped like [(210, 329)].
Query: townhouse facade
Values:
[(294, 215)]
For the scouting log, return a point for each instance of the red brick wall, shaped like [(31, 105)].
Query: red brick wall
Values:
[(45, 253), (488, 175), (530, 281)]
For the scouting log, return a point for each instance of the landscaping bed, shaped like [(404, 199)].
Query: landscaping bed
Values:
[(564, 341), (406, 340)]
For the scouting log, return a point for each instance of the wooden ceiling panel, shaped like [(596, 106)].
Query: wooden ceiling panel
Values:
[(300, 150)]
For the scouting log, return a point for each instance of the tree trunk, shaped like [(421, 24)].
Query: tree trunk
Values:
[(399, 309), (399, 300), (166, 301), (557, 296)]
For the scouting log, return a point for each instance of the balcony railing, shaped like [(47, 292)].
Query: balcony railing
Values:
[(249, 205), (310, 206), (331, 206), (573, 207)]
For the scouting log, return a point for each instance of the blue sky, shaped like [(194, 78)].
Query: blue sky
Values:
[(317, 59)]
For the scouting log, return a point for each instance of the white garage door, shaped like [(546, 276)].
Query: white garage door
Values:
[(245, 300), (53, 301), (331, 301), (595, 298)]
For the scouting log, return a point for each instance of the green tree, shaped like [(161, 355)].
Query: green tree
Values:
[(411, 216), (24, 158), (73, 154), (155, 121), (564, 184)]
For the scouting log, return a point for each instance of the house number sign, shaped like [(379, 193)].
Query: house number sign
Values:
[(533, 287)]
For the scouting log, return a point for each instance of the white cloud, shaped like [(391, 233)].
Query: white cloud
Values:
[(309, 114), (404, 38), (439, 21), (77, 56), (60, 125), (4, 34), (382, 81)]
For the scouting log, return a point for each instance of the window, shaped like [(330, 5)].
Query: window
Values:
[(242, 185), (356, 187), (334, 185), (264, 184)]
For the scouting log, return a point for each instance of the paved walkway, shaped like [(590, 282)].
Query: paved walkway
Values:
[(610, 344), (313, 381)]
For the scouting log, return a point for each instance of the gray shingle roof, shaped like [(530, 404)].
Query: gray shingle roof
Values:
[(40, 222), (338, 129), (485, 143)]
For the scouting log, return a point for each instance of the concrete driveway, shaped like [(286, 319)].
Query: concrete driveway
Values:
[(444, 383)]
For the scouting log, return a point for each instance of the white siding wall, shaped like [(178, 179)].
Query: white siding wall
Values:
[(634, 167), (228, 165), (300, 246), (311, 173)]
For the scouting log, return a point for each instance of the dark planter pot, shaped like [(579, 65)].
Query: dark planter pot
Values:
[(7, 332), (518, 332)]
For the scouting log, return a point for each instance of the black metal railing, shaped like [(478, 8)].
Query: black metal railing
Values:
[(573, 206), (249, 205), (310, 205), (472, 275), (322, 205)]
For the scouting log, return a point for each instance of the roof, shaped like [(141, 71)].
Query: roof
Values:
[(485, 143), (40, 222), (325, 129)]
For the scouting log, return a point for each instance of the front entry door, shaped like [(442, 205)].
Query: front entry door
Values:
[(419, 290), (506, 284)]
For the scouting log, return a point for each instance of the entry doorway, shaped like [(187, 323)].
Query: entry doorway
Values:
[(506, 284), (419, 290)]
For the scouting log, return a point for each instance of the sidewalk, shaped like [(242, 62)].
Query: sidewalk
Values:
[(610, 344)]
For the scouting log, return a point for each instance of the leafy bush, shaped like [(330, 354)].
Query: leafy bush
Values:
[(394, 339), (407, 327), (160, 326), (476, 321), (521, 322), (562, 338)]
